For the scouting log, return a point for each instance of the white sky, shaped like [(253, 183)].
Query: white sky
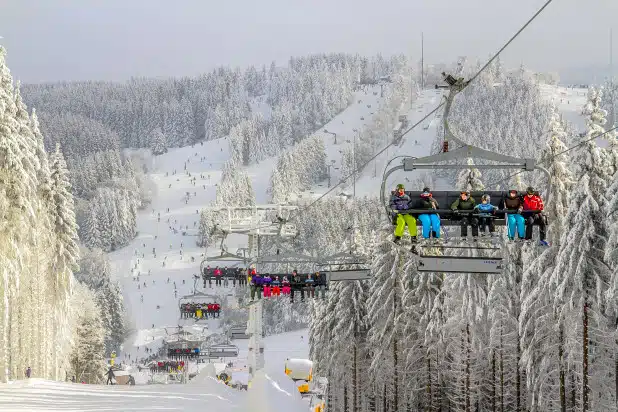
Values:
[(50, 40)]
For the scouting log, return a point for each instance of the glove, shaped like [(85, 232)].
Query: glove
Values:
[(519, 211), (456, 211)]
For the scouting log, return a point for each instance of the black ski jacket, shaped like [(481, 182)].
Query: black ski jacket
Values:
[(511, 203), (425, 204), (297, 283)]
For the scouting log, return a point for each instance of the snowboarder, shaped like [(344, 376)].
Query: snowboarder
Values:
[(467, 203), (485, 211), (401, 201), (514, 204), (429, 221), (533, 212)]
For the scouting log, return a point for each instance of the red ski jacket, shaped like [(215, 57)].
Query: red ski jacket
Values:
[(533, 202), (217, 272)]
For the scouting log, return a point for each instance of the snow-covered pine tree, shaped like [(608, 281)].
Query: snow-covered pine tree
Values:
[(542, 334), (580, 278), (383, 308), (348, 346), (86, 359), (67, 252), (158, 142), (470, 178)]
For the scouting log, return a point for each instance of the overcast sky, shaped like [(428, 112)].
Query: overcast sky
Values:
[(50, 40)]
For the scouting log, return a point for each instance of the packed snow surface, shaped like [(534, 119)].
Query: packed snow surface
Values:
[(165, 258)]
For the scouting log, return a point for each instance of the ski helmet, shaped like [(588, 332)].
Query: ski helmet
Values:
[(530, 190), (400, 186), (486, 198)]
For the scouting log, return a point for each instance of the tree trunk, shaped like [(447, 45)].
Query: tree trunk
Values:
[(468, 367), (501, 374), (429, 404), (518, 377), (562, 371), (354, 383), (395, 360), (585, 387), (345, 397), (573, 393), (493, 381)]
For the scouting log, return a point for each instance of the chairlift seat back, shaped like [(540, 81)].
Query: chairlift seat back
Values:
[(446, 198)]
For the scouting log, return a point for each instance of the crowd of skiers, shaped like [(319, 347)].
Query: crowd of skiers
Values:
[(200, 310), (167, 366), (275, 285), (522, 212), (223, 275)]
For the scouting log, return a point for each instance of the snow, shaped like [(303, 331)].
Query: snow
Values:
[(150, 325)]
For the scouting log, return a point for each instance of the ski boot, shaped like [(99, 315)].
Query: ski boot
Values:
[(413, 248), (397, 240), (543, 243)]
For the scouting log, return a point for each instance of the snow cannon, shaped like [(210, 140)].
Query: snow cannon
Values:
[(301, 372)]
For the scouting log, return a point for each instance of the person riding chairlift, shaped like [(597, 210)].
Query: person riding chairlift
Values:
[(429, 221), (533, 212), (486, 211), (514, 204), (466, 203), (401, 201)]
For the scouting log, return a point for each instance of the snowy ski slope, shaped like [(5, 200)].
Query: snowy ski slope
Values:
[(167, 240)]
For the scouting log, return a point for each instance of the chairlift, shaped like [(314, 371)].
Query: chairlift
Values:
[(239, 332), (195, 303), (338, 267), (222, 351), (228, 259), (433, 262)]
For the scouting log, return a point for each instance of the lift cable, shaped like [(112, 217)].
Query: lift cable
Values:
[(496, 55)]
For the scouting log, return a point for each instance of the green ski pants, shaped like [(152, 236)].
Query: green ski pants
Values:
[(402, 221)]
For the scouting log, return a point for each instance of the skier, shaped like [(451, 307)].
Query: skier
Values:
[(320, 285), (401, 201), (267, 280), (28, 372), (110, 375), (514, 203), (256, 286), (429, 221), (217, 274), (310, 286), (285, 286), (276, 286), (297, 285), (486, 210), (467, 203), (533, 212)]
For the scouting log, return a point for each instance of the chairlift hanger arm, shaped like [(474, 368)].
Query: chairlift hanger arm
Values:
[(455, 86)]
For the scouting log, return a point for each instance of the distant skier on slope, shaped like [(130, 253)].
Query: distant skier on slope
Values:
[(28, 372), (110, 375)]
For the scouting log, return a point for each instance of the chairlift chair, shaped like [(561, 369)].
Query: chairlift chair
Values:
[(459, 264), (222, 351), (338, 267)]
